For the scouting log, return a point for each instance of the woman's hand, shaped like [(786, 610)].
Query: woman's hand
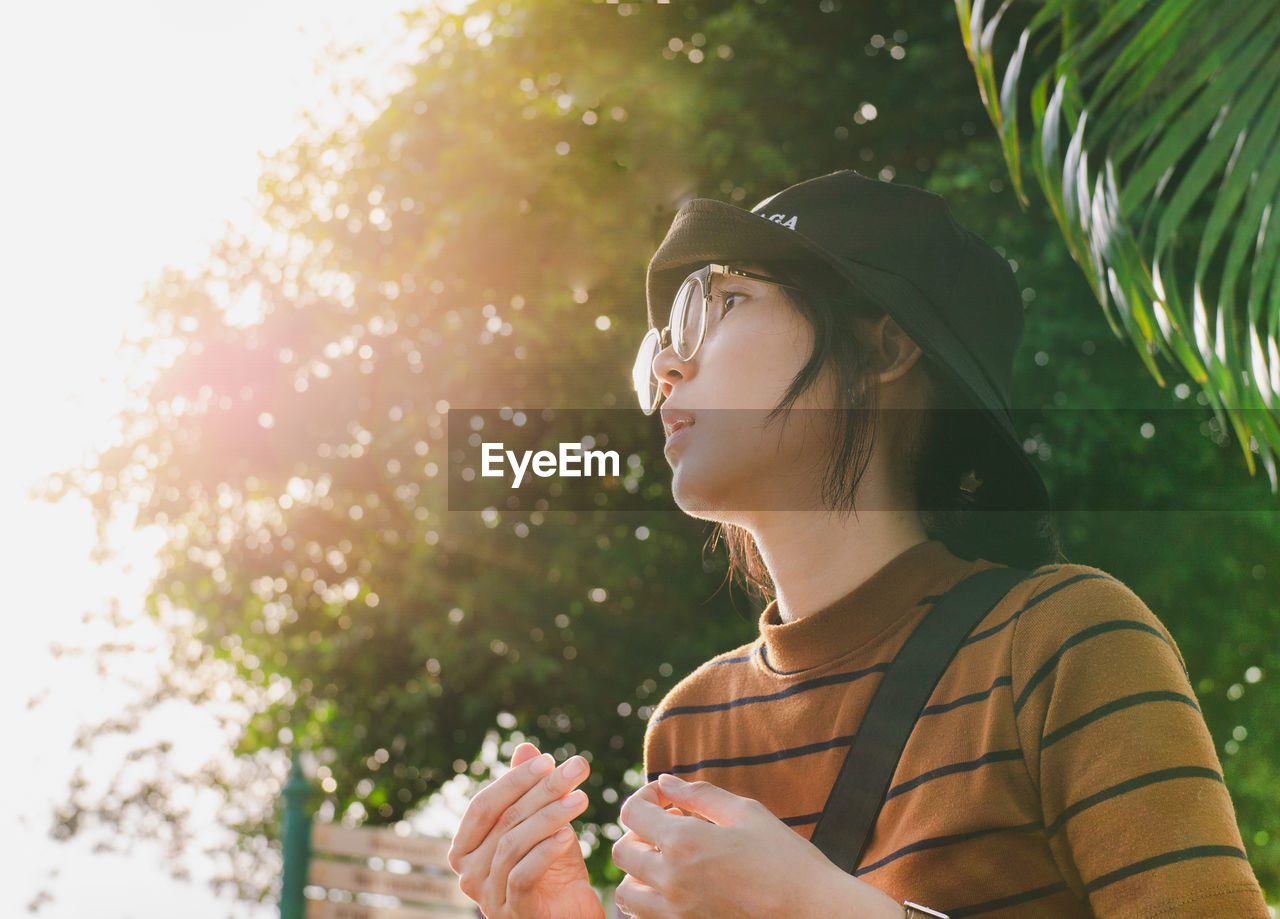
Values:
[(515, 852), (738, 861)]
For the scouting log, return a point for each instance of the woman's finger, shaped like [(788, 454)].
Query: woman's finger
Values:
[(526, 873), (644, 814), (491, 803), (523, 753), (517, 843), (564, 779), (635, 898), (638, 858), (553, 786)]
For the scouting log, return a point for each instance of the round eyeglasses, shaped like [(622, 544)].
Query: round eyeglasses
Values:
[(685, 330)]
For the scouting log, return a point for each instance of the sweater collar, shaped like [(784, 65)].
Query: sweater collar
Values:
[(891, 596)]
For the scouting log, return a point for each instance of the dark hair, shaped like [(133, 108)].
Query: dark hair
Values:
[(949, 440)]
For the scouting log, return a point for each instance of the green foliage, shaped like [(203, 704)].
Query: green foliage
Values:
[(1154, 130), (456, 252)]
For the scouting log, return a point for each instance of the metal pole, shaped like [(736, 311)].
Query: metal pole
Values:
[(297, 843)]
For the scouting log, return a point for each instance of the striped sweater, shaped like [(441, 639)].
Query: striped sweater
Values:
[(1061, 765)]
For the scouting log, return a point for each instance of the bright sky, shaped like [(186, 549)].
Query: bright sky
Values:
[(131, 134)]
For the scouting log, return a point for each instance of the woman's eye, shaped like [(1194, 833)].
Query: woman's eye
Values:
[(730, 300)]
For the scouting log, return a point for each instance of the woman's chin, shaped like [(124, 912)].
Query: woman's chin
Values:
[(710, 494), (707, 494), (696, 493)]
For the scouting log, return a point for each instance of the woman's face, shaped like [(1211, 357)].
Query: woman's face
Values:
[(726, 459)]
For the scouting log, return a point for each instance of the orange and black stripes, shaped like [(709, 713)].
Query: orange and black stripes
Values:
[(1060, 769), (1120, 788)]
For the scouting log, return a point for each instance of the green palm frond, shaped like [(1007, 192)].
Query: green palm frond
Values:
[(1155, 136)]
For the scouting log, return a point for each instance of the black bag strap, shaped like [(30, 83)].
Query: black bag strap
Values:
[(856, 798)]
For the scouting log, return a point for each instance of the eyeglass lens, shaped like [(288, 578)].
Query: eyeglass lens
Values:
[(642, 378), (686, 318), (686, 332)]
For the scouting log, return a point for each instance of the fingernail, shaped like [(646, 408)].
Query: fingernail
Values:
[(543, 764), (670, 781), (576, 799), (575, 767)]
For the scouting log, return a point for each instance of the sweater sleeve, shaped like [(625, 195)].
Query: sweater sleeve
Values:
[(1135, 808), (657, 753), (660, 741)]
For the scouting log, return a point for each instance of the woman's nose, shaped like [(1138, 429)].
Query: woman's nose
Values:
[(669, 369)]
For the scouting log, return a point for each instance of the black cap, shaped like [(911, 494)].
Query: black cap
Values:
[(900, 248)]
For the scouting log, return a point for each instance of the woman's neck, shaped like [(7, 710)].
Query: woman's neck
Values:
[(815, 559)]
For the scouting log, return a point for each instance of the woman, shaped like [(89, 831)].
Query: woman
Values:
[(835, 375)]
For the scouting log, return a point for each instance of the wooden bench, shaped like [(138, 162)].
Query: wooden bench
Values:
[(360, 861), (362, 872)]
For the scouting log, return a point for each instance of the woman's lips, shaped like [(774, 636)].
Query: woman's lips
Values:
[(679, 433)]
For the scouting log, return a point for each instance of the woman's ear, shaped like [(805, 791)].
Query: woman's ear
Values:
[(892, 350)]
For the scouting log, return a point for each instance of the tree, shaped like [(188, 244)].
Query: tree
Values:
[(1154, 127), (458, 252)]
